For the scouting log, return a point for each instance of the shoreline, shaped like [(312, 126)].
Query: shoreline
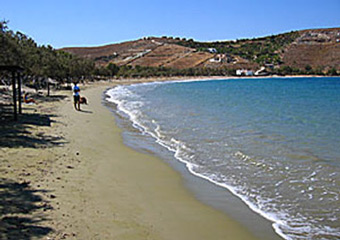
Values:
[(206, 191), (87, 184), (193, 78), (133, 81), (220, 196), (153, 208), (258, 211)]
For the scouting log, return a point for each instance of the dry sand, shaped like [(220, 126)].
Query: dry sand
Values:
[(66, 174)]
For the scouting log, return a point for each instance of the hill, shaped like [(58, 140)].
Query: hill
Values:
[(314, 50), (148, 52)]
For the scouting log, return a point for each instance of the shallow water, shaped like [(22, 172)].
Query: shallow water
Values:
[(274, 143)]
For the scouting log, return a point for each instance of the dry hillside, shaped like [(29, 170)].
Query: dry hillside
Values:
[(318, 48)]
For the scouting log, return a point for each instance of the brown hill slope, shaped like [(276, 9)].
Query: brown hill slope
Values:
[(318, 48), (151, 52), (121, 53), (190, 60), (173, 56), (162, 55)]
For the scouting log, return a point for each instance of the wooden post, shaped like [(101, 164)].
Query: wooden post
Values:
[(14, 96), (48, 87), (19, 92)]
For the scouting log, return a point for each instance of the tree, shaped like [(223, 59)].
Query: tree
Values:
[(40, 61), (308, 68), (113, 68), (332, 72)]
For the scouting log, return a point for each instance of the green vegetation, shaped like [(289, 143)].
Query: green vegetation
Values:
[(40, 61), (260, 50), (287, 70), (127, 71), (332, 72)]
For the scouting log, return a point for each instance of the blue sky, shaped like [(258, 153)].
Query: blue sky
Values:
[(64, 23)]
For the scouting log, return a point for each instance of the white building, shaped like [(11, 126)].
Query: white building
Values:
[(212, 50), (244, 72)]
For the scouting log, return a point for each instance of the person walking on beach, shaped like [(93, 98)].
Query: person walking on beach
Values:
[(76, 96)]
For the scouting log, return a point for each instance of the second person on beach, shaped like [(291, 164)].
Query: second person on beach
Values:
[(76, 96)]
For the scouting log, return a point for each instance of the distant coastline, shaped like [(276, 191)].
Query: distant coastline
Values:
[(200, 78)]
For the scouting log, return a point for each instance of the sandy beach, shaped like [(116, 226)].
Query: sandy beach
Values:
[(66, 174)]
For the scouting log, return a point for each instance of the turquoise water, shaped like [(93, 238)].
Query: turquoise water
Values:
[(274, 142)]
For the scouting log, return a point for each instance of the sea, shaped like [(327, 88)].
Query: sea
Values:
[(272, 142)]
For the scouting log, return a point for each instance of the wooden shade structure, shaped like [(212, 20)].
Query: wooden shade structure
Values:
[(15, 70)]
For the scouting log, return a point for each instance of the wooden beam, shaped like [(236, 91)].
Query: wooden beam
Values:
[(14, 69), (14, 97), (48, 88), (11, 68), (19, 92)]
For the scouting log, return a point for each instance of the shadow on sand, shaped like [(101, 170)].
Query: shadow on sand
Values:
[(85, 111), (16, 134), (18, 203), (51, 98), (21, 206)]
